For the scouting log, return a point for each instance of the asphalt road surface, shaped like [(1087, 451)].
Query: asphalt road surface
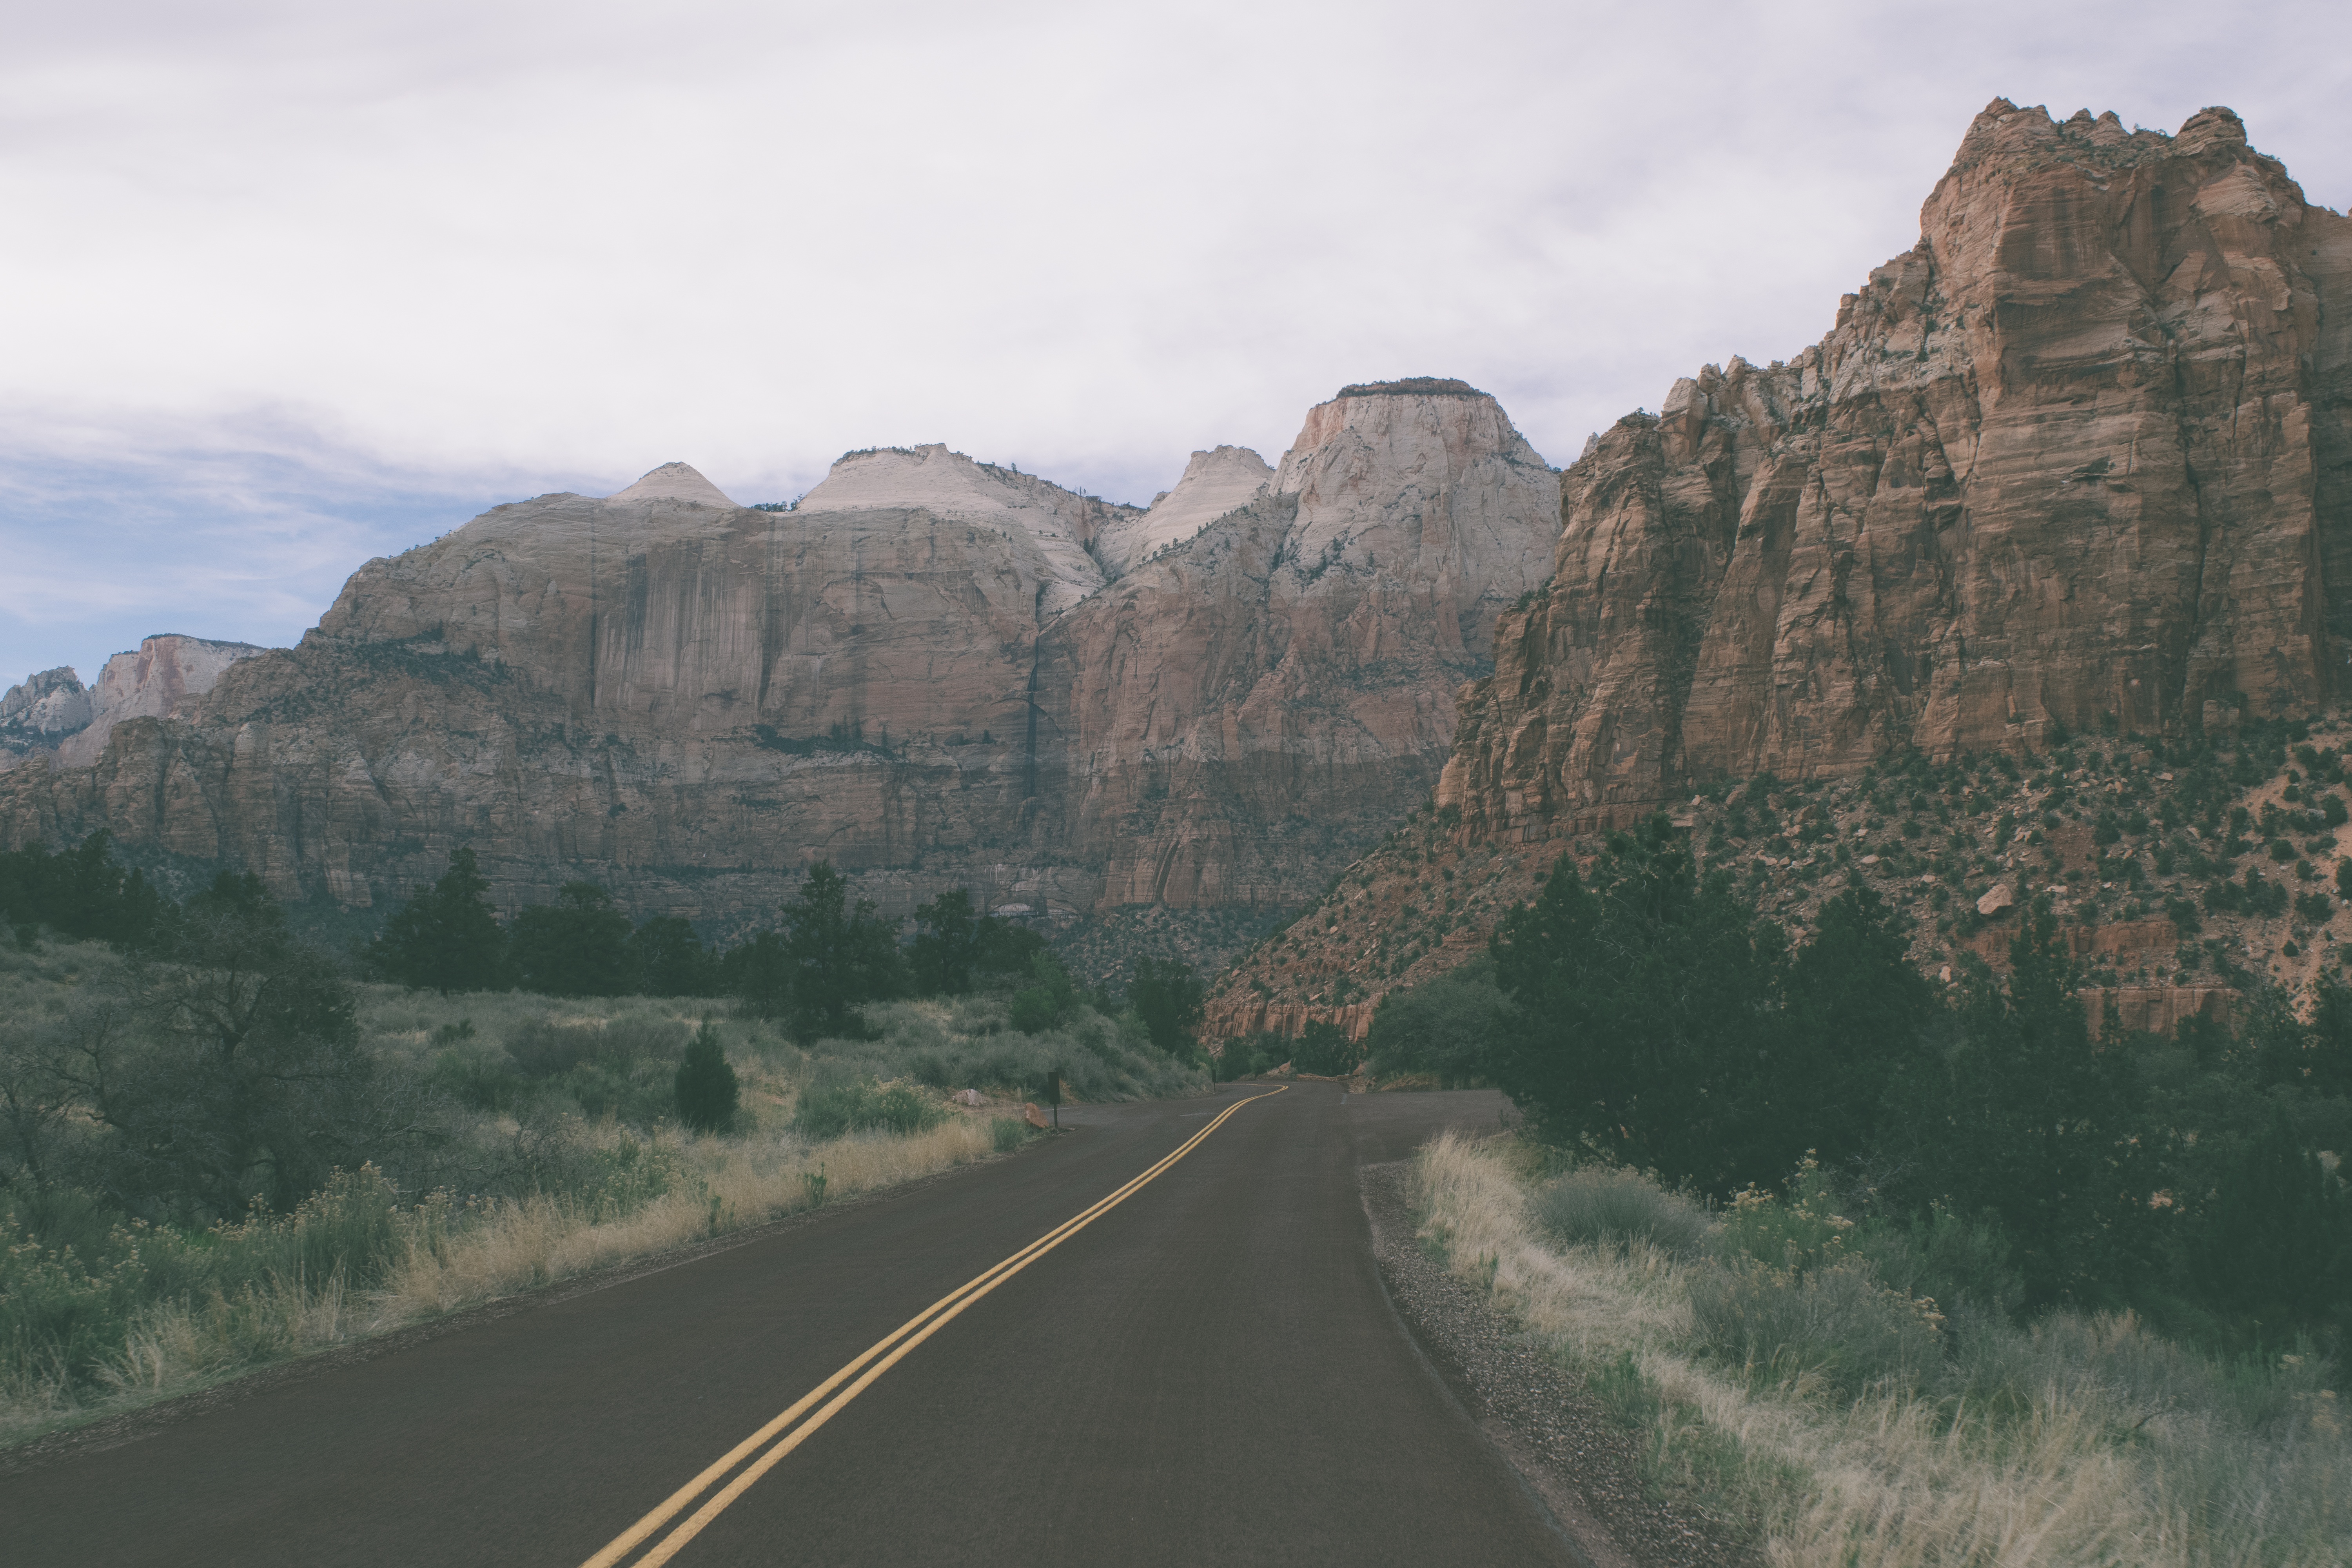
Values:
[(1208, 1373)]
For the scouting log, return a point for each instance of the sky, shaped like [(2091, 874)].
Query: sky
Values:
[(284, 286)]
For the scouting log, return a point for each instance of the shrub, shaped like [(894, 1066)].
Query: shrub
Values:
[(1006, 1134), (704, 1085), (1603, 1204), (1325, 1049), (829, 1110), (541, 1047), (2317, 908), (1838, 1324)]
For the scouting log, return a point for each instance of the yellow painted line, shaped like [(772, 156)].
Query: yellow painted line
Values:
[(921, 1326)]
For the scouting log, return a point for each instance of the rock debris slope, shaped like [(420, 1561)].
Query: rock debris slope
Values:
[(933, 671)]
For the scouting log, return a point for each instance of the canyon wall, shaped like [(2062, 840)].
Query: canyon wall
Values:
[(2080, 459), (931, 671), (2080, 456), (53, 716)]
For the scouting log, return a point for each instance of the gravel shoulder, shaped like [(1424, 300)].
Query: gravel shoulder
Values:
[(1584, 1465)]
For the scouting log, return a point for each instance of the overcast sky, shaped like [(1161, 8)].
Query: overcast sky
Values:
[(286, 286)]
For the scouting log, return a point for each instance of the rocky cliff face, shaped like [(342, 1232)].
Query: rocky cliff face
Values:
[(53, 716), (2081, 454), (35, 716), (932, 671), (2082, 457)]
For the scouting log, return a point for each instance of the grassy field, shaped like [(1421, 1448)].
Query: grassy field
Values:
[(528, 1140), (1809, 1392)]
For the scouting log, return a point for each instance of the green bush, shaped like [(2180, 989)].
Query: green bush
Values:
[(1324, 1049), (1006, 1133), (1603, 1204), (829, 1110), (704, 1087), (1838, 1324)]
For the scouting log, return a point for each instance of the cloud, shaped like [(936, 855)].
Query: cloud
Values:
[(352, 274)]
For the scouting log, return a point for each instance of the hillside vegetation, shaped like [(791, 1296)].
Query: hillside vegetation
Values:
[(217, 1148)]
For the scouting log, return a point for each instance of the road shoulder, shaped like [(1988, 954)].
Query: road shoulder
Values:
[(1583, 1465)]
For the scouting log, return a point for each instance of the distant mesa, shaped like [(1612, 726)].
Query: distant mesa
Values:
[(676, 481)]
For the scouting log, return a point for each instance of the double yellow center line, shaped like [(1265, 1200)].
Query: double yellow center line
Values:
[(788, 1431)]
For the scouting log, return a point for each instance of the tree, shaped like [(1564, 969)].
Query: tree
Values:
[(828, 958), (1450, 1027), (1323, 1048), (576, 946), (1854, 1009), (446, 937), (242, 1075), (708, 1092), (1046, 1000), (79, 893), (1647, 1009), (669, 960), (1167, 996), (947, 945), (2023, 1115)]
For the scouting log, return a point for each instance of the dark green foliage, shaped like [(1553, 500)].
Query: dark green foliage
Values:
[(1046, 1000), (1643, 996), (79, 893), (830, 1108), (1325, 1048), (1167, 996), (956, 948), (2020, 1115), (827, 958), (707, 1090), (446, 937), (576, 946), (666, 959), (1449, 1028), (2318, 909), (231, 1067), (1851, 1001)]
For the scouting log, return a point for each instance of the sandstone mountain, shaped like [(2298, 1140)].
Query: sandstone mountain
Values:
[(934, 672), (54, 715), (2081, 457)]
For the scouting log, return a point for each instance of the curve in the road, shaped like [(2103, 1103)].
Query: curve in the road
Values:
[(921, 1326)]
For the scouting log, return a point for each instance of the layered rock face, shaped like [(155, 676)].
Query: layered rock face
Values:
[(35, 716), (2082, 455), (53, 716), (1247, 710), (2083, 452), (931, 671)]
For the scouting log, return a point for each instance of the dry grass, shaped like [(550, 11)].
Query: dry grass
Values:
[(670, 1191), (726, 1183), (2078, 1440)]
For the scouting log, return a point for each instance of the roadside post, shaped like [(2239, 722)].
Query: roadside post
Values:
[(1054, 1094)]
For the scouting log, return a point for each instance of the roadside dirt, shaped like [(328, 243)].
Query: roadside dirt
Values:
[(1582, 1463)]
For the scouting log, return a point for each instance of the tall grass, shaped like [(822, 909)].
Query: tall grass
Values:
[(1848, 1421), (550, 1148), (165, 1312)]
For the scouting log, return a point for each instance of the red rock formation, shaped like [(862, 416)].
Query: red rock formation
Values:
[(2082, 451)]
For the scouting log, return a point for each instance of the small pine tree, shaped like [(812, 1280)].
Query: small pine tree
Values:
[(707, 1089)]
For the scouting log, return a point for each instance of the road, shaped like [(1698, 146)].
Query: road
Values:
[(1209, 1371)]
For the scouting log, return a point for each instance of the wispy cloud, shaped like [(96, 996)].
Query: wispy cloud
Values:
[(286, 285)]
